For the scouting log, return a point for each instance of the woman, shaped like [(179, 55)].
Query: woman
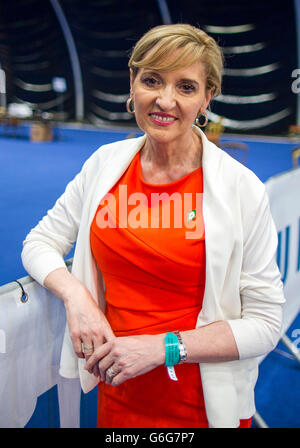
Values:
[(175, 255)]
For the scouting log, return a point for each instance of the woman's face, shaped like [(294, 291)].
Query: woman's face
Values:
[(167, 103)]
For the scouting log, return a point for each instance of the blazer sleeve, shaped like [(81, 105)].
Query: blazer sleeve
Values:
[(49, 242), (261, 291)]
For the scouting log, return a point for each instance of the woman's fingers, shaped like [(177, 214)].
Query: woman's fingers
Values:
[(77, 342), (93, 349), (100, 361), (97, 355), (112, 372), (87, 348), (126, 357), (107, 368)]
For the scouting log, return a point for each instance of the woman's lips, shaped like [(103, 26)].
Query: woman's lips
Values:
[(162, 119)]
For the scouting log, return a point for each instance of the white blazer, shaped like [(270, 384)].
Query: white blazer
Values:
[(243, 283)]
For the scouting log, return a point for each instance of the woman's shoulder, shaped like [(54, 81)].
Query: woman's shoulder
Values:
[(232, 168), (114, 150), (219, 162), (234, 180)]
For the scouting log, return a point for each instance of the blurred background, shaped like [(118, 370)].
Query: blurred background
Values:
[(64, 83), (87, 43)]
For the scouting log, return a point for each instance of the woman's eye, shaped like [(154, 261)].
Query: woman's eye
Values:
[(149, 81), (187, 88)]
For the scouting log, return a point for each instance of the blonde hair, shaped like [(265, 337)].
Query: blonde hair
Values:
[(153, 50)]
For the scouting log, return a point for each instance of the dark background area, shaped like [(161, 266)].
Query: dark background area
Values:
[(33, 50)]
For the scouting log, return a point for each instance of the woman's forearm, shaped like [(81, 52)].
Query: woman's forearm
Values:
[(211, 343), (63, 284)]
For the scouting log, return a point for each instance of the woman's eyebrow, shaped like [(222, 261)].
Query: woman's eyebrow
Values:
[(151, 72), (191, 81)]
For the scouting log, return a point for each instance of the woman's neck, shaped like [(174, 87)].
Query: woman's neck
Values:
[(170, 161), (173, 154)]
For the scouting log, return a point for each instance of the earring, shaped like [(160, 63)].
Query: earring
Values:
[(130, 106), (199, 123)]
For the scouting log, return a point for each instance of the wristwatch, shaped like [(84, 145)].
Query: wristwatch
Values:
[(182, 349)]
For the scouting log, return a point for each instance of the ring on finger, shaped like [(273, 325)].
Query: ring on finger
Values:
[(87, 348), (110, 372)]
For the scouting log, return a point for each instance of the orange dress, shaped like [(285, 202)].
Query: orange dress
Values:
[(154, 274)]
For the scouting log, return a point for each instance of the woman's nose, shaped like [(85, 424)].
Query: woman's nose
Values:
[(166, 98)]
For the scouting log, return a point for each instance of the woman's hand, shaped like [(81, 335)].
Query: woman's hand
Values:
[(128, 356), (87, 324)]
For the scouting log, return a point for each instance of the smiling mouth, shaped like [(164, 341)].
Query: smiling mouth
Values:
[(163, 118)]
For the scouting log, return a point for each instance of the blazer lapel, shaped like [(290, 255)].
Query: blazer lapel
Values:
[(218, 230)]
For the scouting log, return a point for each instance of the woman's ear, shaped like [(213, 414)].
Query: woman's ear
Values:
[(208, 96), (131, 80)]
